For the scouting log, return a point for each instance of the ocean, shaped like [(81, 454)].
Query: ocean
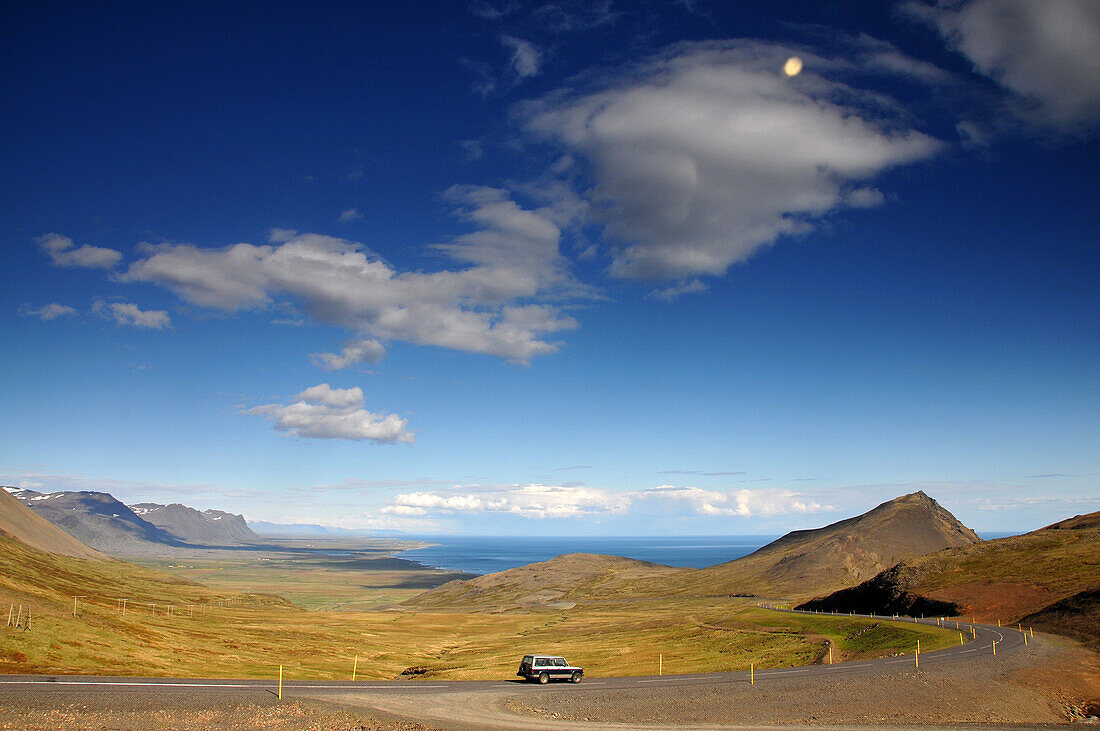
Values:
[(488, 554)]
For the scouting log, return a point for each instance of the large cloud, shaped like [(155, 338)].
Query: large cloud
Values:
[(492, 305), (323, 412), (554, 501), (1046, 51), (528, 501), (704, 155)]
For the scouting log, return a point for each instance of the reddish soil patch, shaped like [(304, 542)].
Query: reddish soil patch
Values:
[(992, 602)]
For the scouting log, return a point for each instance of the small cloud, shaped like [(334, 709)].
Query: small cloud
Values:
[(574, 467), (483, 84), (698, 472), (670, 294), (64, 253), (526, 58), (349, 215), (323, 412), (1048, 475), (126, 313), (51, 311), (359, 351), (472, 149), (864, 198)]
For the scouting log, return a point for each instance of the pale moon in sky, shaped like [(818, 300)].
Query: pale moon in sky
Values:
[(793, 66)]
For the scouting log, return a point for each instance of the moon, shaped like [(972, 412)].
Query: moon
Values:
[(793, 66)]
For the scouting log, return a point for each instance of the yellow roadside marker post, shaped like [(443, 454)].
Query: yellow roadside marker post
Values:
[(916, 656), (830, 654), (354, 667), (280, 694), (994, 648), (661, 664), (998, 623), (960, 638), (752, 674), (1025, 638), (1032, 630)]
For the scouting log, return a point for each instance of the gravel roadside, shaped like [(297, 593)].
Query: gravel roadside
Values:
[(1051, 683)]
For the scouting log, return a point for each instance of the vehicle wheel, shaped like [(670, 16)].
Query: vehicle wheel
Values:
[(576, 677), (544, 678)]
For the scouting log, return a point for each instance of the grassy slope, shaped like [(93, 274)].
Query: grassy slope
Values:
[(27, 526), (310, 582), (1048, 577), (1010, 577), (258, 632)]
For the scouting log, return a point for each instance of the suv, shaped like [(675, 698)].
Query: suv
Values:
[(545, 667)]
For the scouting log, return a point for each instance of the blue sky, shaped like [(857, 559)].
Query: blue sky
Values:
[(562, 268)]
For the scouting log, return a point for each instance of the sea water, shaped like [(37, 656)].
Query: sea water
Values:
[(488, 554)]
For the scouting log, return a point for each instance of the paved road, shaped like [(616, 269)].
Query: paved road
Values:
[(1007, 641)]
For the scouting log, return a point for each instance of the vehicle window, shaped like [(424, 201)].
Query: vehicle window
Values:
[(539, 662), (560, 662)]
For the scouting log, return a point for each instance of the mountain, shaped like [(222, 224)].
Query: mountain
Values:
[(97, 519), (808, 562), (208, 528), (800, 564), (24, 525), (1047, 578), (558, 583)]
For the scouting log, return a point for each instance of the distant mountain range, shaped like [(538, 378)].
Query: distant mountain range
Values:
[(102, 522), (31, 529), (209, 527), (800, 564)]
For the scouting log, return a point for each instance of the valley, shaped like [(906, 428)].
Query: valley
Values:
[(330, 609)]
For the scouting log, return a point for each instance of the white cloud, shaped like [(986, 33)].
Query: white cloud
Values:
[(64, 253), (126, 313), (742, 503), (527, 501), (358, 351), (1047, 52), (526, 57), (573, 501), (708, 153), (670, 294), (323, 412), (511, 261), (349, 215), (51, 311)]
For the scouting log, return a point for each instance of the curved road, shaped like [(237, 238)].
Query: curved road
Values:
[(73, 688)]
